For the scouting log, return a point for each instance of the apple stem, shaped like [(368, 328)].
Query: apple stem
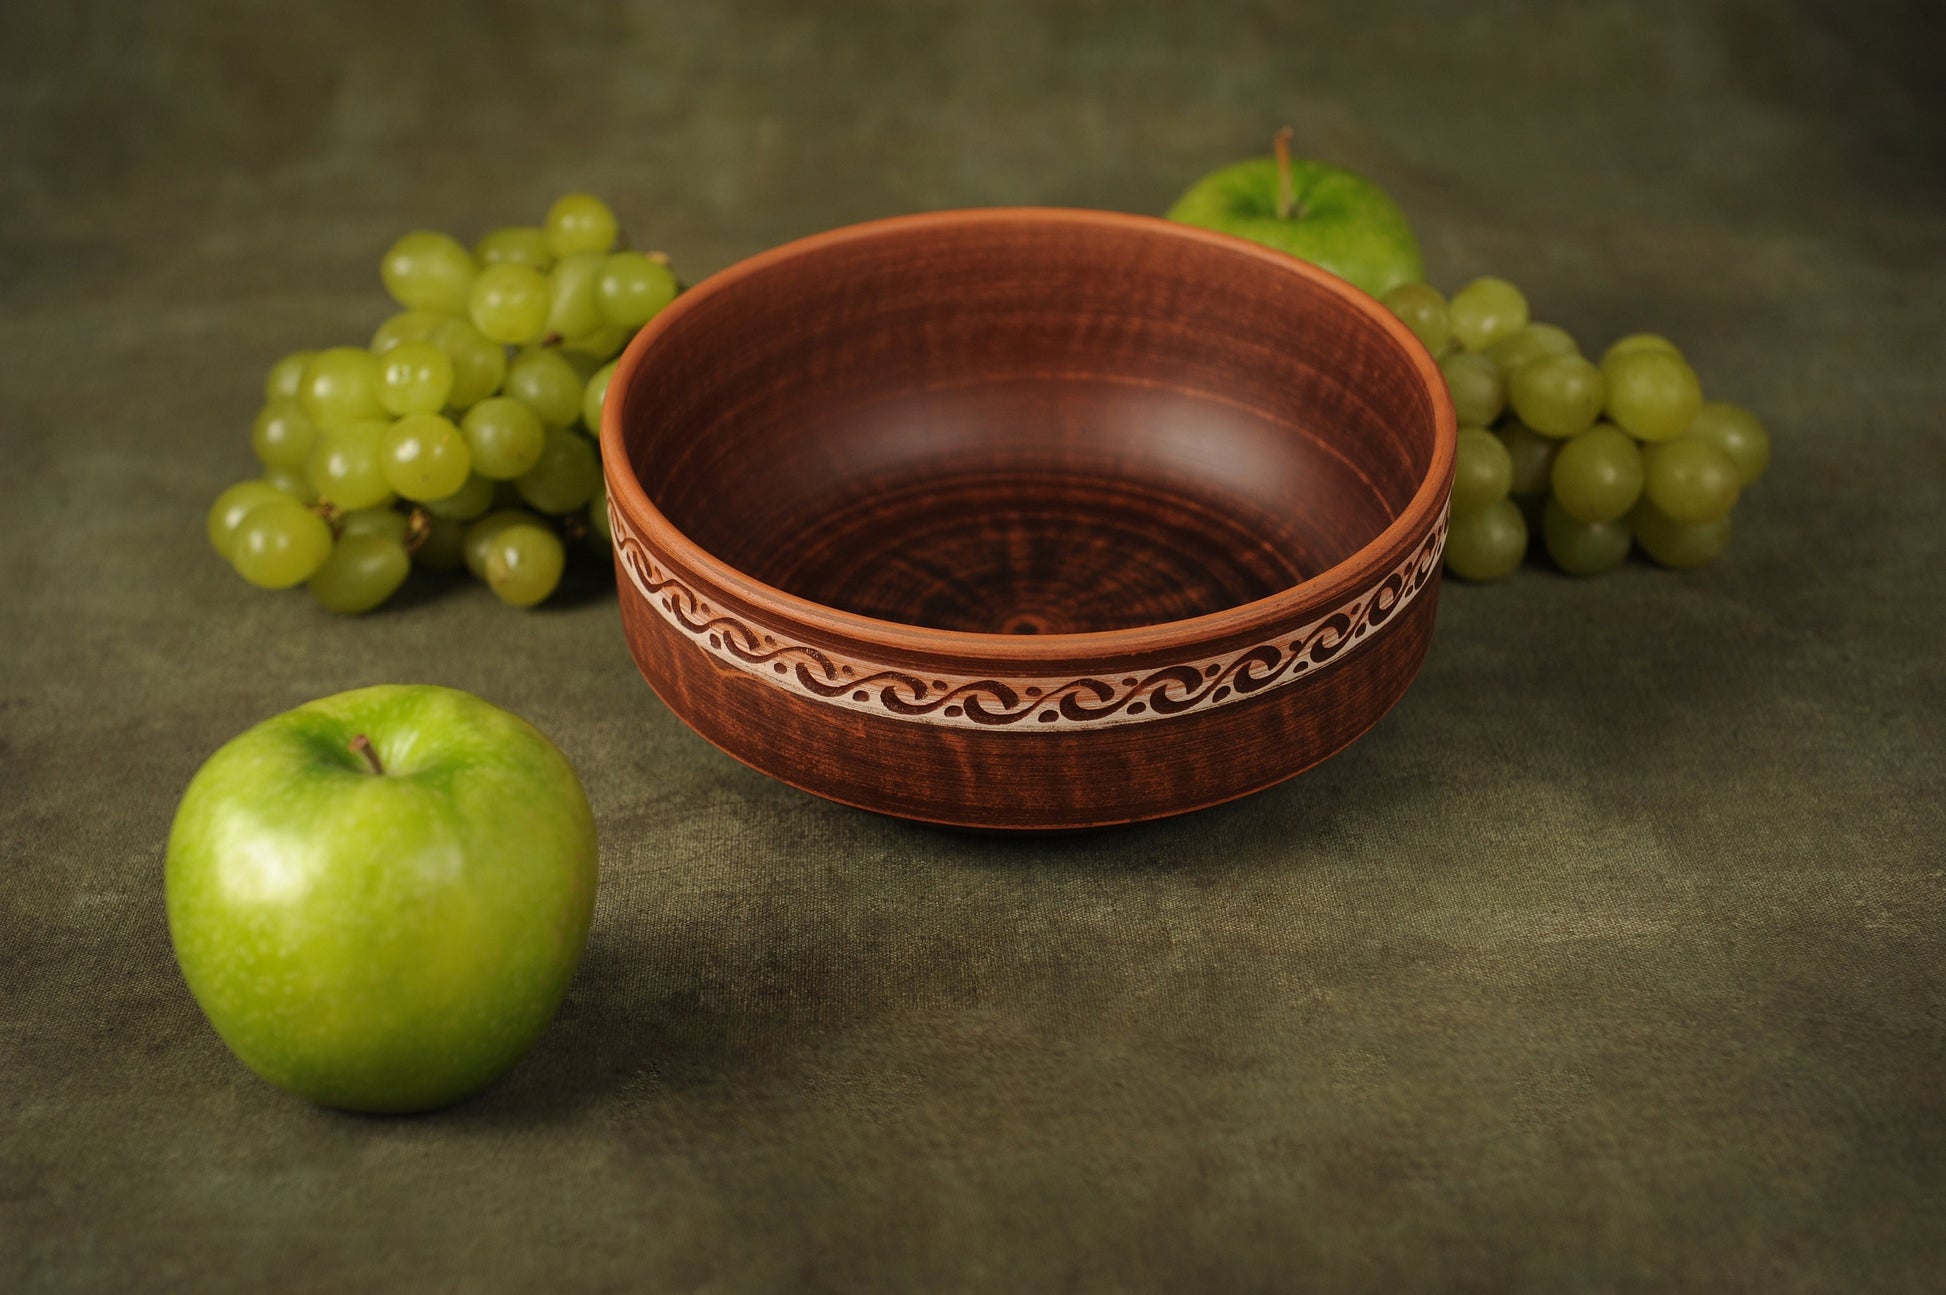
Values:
[(1286, 191), (363, 745)]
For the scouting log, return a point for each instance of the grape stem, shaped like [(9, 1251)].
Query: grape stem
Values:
[(1286, 191), (418, 528), (662, 259), (363, 746)]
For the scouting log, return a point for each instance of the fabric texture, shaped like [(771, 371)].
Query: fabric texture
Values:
[(1611, 960)]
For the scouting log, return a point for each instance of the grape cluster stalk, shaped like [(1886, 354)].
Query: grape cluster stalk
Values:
[(1592, 460), (464, 434)]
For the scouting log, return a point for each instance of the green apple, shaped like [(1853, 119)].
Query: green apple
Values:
[(1318, 212), (379, 898)]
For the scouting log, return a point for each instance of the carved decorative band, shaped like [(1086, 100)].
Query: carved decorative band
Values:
[(1026, 703)]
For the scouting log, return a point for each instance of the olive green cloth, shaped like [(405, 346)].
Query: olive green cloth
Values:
[(1611, 960)]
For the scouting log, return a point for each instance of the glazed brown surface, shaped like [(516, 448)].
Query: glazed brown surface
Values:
[(1029, 780), (932, 469)]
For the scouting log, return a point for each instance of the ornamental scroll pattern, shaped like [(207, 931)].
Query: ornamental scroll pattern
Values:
[(1026, 704)]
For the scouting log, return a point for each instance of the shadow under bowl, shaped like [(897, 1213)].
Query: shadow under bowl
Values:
[(1027, 519)]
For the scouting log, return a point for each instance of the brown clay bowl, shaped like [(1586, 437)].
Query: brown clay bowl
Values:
[(1027, 519)]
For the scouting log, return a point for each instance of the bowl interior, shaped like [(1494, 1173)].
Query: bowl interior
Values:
[(1040, 424)]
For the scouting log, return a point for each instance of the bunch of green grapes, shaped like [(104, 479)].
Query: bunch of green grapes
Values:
[(464, 434), (1596, 458)]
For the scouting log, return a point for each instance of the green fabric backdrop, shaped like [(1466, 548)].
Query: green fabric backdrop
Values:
[(1611, 960)]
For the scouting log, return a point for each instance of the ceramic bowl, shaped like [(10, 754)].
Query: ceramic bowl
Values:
[(1027, 519)]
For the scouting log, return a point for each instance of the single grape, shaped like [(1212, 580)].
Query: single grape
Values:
[(1737, 433), (523, 563), (1530, 343), (506, 437), (279, 544), (1532, 455), (479, 536), (1677, 544), (1422, 308), (509, 304), (516, 245), (604, 344), (1652, 394), (565, 477), (633, 289), (1483, 471), (1478, 390), (479, 363), (388, 522), (231, 507), (1583, 548), (362, 572), (408, 326), (1597, 476), (580, 222), (285, 375), (345, 466), (426, 270), (571, 307), (282, 435), (1556, 395), (1689, 480), (1486, 310), (442, 545), (1486, 543), (594, 396), (463, 505), (339, 386), (297, 485), (415, 378), (424, 457), (545, 381), (1640, 342)]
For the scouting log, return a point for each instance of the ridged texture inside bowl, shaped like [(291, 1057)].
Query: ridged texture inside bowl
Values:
[(1004, 430)]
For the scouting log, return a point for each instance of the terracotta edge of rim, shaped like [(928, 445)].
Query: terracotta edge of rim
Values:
[(1422, 523)]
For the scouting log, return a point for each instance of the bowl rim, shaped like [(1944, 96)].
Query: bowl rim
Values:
[(1363, 568)]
